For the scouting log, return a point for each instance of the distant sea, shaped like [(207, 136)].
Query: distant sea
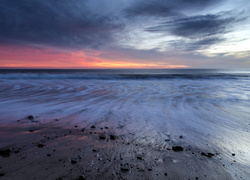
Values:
[(205, 106), (119, 74)]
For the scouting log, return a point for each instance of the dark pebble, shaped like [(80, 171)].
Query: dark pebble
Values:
[(31, 130), (124, 169), (73, 161), (56, 119), (165, 174), (177, 148), (81, 177), (181, 137), (48, 154), (139, 157), (17, 151), (92, 127), (5, 152), (112, 137), (149, 169), (102, 136), (31, 117), (233, 154), (2, 174), (40, 145), (209, 155), (94, 150), (106, 127)]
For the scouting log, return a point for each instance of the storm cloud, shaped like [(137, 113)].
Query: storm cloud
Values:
[(55, 23), (196, 31), (167, 8)]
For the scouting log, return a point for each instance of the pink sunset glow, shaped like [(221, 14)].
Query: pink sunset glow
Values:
[(18, 57)]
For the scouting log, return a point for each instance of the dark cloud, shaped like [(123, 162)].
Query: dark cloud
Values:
[(60, 23), (194, 44), (83, 24), (197, 31), (167, 8), (196, 26)]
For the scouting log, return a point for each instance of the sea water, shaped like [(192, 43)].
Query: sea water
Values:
[(209, 108)]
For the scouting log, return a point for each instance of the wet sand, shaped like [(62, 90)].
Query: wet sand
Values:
[(34, 150)]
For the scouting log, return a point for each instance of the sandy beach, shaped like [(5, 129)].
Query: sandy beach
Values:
[(33, 150)]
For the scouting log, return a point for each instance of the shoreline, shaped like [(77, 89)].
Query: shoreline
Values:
[(53, 151)]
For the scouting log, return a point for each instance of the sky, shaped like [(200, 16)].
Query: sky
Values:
[(125, 34)]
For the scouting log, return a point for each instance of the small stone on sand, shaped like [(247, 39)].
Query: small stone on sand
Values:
[(5, 152), (177, 148), (102, 136), (40, 145), (139, 157), (30, 117), (73, 161), (81, 177), (112, 137)]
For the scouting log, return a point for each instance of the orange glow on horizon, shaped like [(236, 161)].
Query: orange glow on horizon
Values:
[(135, 65), (16, 57)]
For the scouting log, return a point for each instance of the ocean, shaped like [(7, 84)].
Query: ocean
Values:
[(208, 108)]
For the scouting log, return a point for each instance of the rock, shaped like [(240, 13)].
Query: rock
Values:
[(94, 150), (2, 174), (209, 155), (40, 145), (102, 136), (73, 161), (92, 127), (17, 151), (177, 148), (81, 177), (49, 155), (106, 127), (5, 152), (30, 117), (112, 137), (165, 174), (233, 154), (139, 157), (203, 154), (124, 169)]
